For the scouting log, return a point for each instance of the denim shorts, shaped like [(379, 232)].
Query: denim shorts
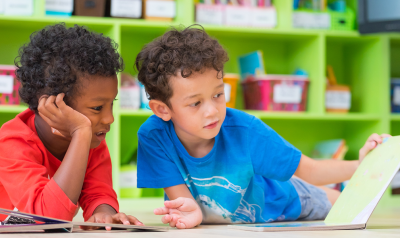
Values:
[(314, 201)]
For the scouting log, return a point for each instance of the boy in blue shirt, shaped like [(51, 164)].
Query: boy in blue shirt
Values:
[(216, 164)]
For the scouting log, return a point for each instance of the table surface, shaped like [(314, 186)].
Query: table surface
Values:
[(383, 223)]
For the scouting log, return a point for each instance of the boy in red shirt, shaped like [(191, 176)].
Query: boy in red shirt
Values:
[(53, 156)]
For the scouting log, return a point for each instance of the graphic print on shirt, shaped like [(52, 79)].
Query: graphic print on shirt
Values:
[(214, 212)]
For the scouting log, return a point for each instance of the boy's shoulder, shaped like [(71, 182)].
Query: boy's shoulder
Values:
[(17, 127), (153, 123)]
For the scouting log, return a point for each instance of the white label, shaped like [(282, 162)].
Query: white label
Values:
[(396, 95), (160, 8), (130, 97), (227, 92), (311, 20), (263, 17), (1, 6), (237, 16), (284, 93), (126, 8), (18, 7), (128, 179), (337, 99), (60, 5), (212, 14), (6, 84)]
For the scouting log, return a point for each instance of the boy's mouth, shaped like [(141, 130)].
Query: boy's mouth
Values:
[(101, 135), (211, 125)]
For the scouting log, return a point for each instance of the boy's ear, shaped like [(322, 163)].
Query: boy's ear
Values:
[(160, 109)]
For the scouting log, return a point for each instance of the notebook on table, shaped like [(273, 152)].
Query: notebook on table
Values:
[(359, 198), (24, 222)]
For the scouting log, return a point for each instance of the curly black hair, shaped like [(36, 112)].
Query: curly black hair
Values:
[(177, 51), (57, 56)]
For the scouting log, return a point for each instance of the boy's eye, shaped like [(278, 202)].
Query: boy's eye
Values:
[(97, 108), (218, 95), (195, 104)]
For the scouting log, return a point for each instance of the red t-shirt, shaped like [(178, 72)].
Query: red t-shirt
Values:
[(27, 168)]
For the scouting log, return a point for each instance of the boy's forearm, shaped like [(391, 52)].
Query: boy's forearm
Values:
[(322, 172), (71, 173)]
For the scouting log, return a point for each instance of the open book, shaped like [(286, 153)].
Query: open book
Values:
[(359, 198), (24, 222)]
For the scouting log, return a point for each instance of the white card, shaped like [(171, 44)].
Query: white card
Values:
[(263, 17), (128, 179), (311, 20), (396, 95), (156, 8), (227, 92), (209, 14), (237, 16), (338, 99), (126, 8), (285, 93), (60, 5), (6, 84), (18, 7)]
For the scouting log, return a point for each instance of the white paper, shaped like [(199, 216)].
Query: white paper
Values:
[(156, 8), (129, 97), (60, 5), (210, 15), (227, 92), (337, 99), (263, 17), (6, 84), (311, 20), (396, 95), (18, 7), (237, 16), (1, 6), (126, 8), (128, 179), (285, 93)]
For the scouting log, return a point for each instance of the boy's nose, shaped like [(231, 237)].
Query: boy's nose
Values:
[(211, 110), (108, 118)]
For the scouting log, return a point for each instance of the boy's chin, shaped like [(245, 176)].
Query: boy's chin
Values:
[(94, 144)]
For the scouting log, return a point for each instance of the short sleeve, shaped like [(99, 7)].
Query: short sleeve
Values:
[(272, 156), (155, 168)]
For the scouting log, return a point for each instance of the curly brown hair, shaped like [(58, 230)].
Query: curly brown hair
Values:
[(56, 56), (185, 51)]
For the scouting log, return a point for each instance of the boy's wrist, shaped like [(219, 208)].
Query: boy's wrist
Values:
[(82, 132)]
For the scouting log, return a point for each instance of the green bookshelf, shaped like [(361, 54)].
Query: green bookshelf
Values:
[(366, 63)]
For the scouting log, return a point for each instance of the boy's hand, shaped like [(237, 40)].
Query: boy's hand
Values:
[(104, 213), (372, 141), (180, 213), (63, 120)]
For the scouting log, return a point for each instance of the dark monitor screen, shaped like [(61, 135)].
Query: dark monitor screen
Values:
[(378, 15)]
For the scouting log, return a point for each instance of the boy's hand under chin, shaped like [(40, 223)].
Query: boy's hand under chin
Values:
[(372, 141), (180, 213)]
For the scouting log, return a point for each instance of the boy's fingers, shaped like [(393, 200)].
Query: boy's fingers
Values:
[(46, 119), (51, 106), (375, 137), (174, 220), (161, 211), (180, 225), (133, 220), (60, 101), (122, 218), (175, 203), (108, 219), (166, 219)]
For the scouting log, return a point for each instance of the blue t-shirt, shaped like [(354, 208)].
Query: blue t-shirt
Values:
[(243, 179)]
